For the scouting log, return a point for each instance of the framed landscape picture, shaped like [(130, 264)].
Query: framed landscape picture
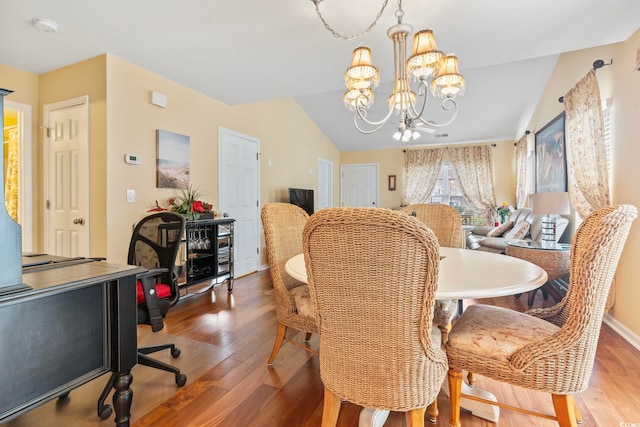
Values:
[(551, 162), (172, 162)]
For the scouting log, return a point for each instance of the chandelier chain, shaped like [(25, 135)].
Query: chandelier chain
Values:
[(351, 36)]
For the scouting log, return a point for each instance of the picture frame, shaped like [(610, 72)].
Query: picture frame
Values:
[(550, 155), (392, 183), (172, 160)]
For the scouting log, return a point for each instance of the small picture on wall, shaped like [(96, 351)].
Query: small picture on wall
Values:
[(551, 162), (392, 183), (172, 163)]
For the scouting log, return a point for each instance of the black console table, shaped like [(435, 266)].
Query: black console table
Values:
[(76, 322)]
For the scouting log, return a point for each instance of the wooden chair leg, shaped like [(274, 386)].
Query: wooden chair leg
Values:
[(455, 390), (471, 378), (330, 409), (282, 332), (433, 412), (307, 337), (415, 417), (578, 415), (565, 408)]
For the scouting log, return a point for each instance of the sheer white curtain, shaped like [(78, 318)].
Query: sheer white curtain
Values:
[(421, 174), (474, 170), (587, 173), (522, 174)]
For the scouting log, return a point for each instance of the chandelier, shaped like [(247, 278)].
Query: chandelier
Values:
[(433, 71)]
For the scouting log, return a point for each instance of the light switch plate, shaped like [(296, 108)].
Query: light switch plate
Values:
[(131, 196)]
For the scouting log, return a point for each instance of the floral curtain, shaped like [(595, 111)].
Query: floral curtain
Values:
[(587, 173), (522, 177), (475, 172), (421, 174), (11, 179)]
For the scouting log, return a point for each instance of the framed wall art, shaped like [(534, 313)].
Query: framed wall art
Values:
[(392, 183), (551, 162), (172, 161)]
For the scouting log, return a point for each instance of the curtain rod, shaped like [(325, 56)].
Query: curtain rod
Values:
[(597, 64)]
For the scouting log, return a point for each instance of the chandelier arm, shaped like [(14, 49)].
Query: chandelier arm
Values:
[(351, 36), (447, 104), (412, 113), (362, 115)]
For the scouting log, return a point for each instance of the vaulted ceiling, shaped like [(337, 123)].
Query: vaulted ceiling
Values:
[(244, 51)]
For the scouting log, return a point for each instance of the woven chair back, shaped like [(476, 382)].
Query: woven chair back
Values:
[(444, 220), (372, 278)]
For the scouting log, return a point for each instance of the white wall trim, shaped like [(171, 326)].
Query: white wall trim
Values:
[(622, 330)]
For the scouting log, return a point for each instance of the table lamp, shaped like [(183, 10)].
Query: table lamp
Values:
[(551, 204)]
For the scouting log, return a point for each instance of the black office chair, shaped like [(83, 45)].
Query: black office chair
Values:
[(154, 246)]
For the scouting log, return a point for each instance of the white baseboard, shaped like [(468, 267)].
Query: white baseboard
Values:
[(624, 332), (263, 267)]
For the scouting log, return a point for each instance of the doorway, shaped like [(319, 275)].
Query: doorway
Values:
[(18, 144), (359, 185), (325, 184), (67, 177), (239, 183)]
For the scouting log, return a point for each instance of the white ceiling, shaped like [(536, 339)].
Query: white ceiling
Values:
[(241, 51)]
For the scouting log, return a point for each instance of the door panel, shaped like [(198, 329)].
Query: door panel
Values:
[(68, 179), (360, 185), (239, 186)]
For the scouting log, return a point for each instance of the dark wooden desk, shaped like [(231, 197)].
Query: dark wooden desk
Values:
[(77, 322)]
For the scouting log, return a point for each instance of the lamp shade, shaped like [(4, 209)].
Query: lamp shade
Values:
[(448, 83), (361, 74), (424, 56), (550, 203)]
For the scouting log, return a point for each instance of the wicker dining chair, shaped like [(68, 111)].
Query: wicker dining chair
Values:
[(551, 350), (372, 278), (283, 224), (446, 223)]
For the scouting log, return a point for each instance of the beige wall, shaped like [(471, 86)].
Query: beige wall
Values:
[(622, 84), (391, 162)]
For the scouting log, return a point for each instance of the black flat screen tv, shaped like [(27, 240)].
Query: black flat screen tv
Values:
[(303, 198)]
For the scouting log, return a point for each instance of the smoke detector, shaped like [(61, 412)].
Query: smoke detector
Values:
[(45, 24)]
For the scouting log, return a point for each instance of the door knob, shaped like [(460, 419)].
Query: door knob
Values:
[(78, 221)]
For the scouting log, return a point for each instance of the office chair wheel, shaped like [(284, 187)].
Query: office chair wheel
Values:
[(105, 412), (181, 380), (175, 352)]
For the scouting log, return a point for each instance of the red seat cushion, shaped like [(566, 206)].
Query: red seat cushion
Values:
[(164, 291)]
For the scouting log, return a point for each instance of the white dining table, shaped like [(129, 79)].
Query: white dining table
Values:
[(463, 274)]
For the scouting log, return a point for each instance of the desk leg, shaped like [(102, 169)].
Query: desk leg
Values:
[(122, 398)]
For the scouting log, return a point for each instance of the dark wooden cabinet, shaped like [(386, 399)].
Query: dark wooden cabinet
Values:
[(208, 248)]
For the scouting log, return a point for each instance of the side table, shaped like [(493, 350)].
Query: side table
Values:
[(554, 259)]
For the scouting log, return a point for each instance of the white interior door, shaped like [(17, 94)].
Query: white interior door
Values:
[(67, 142), (239, 181), (359, 185), (325, 184)]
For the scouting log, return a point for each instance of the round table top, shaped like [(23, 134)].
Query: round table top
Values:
[(468, 274)]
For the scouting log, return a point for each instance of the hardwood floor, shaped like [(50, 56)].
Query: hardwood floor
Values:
[(227, 338)]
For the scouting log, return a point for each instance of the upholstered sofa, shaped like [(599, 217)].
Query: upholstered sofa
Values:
[(521, 225)]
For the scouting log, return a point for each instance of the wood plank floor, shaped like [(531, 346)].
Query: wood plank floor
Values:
[(226, 339)]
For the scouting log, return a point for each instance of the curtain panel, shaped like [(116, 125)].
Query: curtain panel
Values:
[(422, 168), (522, 174), (587, 174), (474, 170)]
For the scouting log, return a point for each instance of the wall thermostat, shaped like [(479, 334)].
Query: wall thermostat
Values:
[(132, 159)]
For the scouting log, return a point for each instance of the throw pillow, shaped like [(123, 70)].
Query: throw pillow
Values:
[(518, 231), (499, 230)]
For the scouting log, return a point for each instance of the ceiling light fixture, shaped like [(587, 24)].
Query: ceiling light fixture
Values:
[(426, 62), (45, 24)]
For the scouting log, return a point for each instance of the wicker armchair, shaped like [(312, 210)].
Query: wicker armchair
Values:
[(372, 279), (283, 224), (549, 350), (446, 223)]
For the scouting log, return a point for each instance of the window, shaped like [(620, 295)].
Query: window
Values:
[(447, 191)]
